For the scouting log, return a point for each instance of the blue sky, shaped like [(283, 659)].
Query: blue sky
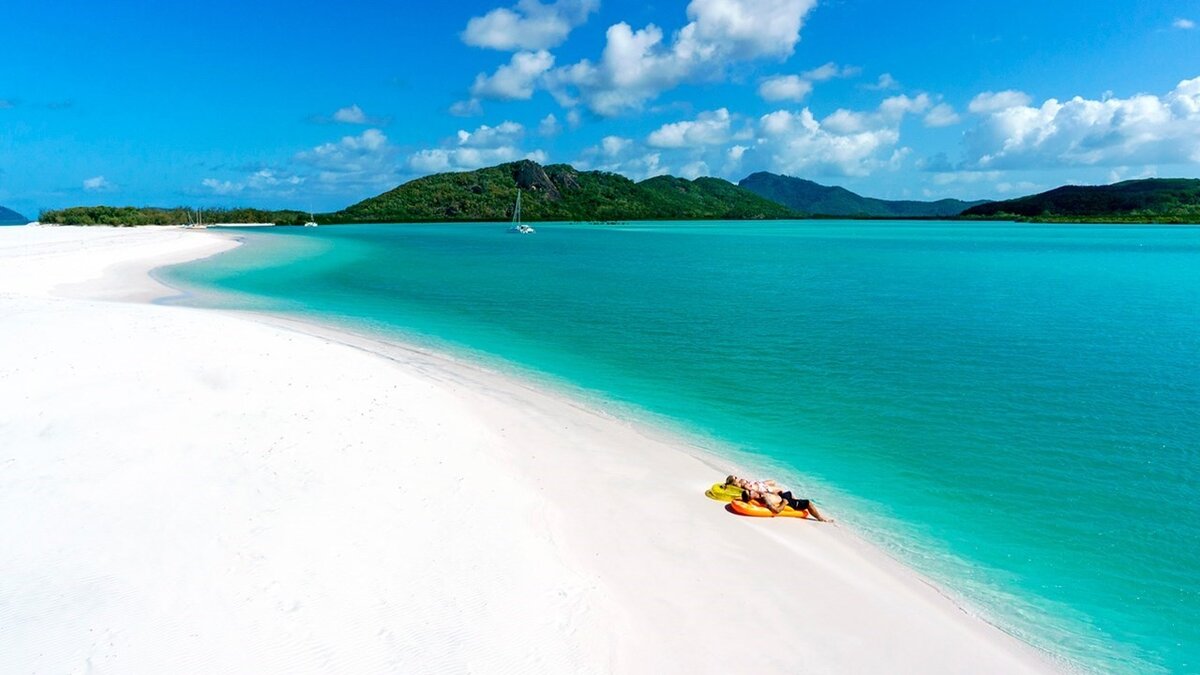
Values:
[(317, 105)]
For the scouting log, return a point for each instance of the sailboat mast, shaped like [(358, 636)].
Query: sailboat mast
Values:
[(517, 210)]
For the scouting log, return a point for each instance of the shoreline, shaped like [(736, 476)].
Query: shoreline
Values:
[(578, 510)]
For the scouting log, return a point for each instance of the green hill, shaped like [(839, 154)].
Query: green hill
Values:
[(812, 198), (10, 217), (558, 192), (1155, 200)]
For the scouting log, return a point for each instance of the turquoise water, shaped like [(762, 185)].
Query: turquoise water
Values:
[(1010, 409)]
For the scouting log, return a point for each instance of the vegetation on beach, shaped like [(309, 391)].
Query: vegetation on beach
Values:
[(1150, 200), (129, 216), (559, 192)]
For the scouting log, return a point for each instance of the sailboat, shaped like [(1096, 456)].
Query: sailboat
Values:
[(517, 226), (197, 224), (312, 220)]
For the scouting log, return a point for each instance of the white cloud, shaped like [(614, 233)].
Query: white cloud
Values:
[(529, 25), (222, 187), (97, 184), (468, 108), (505, 133), (549, 126), (365, 160), (990, 101), (484, 146), (1023, 187), (262, 180), (1142, 129), (614, 146), (693, 170), (884, 83), (796, 87), (784, 88), (350, 115), (896, 107), (1184, 24), (637, 66), (514, 80), (709, 128), (942, 115), (845, 143), (831, 70), (797, 143)]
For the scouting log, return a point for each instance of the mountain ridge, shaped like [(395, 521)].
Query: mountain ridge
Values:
[(559, 192), (10, 217), (814, 199), (1156, 200)]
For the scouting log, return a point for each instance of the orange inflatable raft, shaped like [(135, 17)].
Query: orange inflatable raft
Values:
[(759, 510)]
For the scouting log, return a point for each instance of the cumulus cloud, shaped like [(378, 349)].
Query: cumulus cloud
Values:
[(624, 156), (366, 160), (896, 107), (614, 146), (515, 79), (942, 115), (1184, 24), (350, 115), (97, 184), (469, 150), (784, 88), (846, 142), (991, 101), (529, 25), (709, 128), (637, 66), (1142, 129)]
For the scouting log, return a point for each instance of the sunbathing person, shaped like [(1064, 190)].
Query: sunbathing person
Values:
[(776, 501)]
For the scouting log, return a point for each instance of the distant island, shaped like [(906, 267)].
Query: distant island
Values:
[(10, 217), (814, 199), (559, 192), (1149, 200)]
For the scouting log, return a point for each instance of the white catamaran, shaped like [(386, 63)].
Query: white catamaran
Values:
[(517, 226)]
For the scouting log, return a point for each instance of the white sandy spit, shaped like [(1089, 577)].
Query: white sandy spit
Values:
[(186, 490)]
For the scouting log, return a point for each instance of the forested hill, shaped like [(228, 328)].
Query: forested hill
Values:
[(10, 217), (815, 199), (558, 192), (1154, 200)]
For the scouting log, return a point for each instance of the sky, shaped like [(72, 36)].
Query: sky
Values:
[(316, 105)]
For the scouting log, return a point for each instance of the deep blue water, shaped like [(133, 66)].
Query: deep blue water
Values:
[(1011, 409)]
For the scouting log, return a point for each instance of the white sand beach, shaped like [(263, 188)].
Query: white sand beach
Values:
[(187, 490)]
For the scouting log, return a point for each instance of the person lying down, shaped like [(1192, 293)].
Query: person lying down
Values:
[(773, 496)]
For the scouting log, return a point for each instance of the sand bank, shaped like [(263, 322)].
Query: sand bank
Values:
[(192, 490)]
